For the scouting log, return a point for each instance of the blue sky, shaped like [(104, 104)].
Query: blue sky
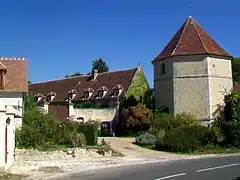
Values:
[(65, 36)]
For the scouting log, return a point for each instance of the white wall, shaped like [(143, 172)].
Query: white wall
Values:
[(220, 81), (14, 99), (10, 140), (95, 114)]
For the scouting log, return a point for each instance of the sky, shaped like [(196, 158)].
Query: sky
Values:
[(59, 37)]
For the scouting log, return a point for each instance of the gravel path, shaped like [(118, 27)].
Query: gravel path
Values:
[(128, 149)]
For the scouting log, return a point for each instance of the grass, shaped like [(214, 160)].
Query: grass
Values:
[(217, 150), (11, 177), (206, 150)]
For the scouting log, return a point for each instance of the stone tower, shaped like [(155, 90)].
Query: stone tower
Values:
[(192, 73)]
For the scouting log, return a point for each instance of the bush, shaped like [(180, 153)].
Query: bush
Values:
[(145, 139), (163, 121), (90, 131), (185, 138), (134, 120), (38, 130), (228, 120), (43, 131), (160, 135)]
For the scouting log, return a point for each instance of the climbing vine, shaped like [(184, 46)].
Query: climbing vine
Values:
[(139, 87)]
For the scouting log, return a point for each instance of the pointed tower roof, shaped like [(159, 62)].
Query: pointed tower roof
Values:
[(191, 39)]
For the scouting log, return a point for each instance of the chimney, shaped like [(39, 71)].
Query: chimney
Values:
[(94, 74)]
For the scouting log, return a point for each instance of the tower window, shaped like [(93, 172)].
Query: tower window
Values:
[(163, 69)]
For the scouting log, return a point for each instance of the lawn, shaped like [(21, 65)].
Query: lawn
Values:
[(206, 150)]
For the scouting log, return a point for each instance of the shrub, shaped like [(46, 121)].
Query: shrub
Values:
[(135, 120), (163, 121), (37, 129), (90, 131), (145, 139), (79, 140), (160, 135), (228, 120), (44, 131), (214, 136), (185, 138)]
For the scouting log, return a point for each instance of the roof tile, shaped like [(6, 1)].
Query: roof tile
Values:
[(16, 77), (81, 83), (191, 39)]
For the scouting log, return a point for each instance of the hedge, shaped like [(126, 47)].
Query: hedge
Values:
[(186, 138), (90, 131)]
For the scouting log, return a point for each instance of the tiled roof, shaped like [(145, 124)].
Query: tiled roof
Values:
[(191, 39), (16, 77), (81, 83)]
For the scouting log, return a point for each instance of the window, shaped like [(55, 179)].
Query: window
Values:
[(36, 99), (48, 98), (100, 94), (163, 69), (86, 95), (116, 93), (70, 96)]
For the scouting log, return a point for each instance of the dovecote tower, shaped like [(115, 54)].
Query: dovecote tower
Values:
[(192, 73)]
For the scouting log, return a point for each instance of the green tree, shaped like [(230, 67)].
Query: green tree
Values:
[(100, 65), (134, 120), (236, 69), (74, 74), (38, 129), (148, 99), (228, 120)]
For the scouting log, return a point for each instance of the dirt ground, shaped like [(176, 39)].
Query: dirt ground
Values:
[(128, 149)]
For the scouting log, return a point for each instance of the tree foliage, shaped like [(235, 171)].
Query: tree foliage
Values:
[(139, 87), (148, 98), (185, 138), (37, 129), (135, 119), (45, 131), (100, 65), (228, 120), (236, 70), (74, 74)]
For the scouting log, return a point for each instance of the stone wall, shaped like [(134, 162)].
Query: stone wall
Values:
[(95, 114)]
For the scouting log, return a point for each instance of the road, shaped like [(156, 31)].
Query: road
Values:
[(219, 168)]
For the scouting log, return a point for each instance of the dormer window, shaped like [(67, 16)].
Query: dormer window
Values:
[(50, 96), (88, 93), (102, 92), (3, 71), (117, 90), (116, 93), (72, 94), (38, 97)]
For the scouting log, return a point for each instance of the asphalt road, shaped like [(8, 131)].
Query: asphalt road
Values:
[(219, 168)]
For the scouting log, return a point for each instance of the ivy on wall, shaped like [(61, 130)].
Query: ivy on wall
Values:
[(89, 104), (139, 86)]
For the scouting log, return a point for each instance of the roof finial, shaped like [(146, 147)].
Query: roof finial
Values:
[(189, 7)]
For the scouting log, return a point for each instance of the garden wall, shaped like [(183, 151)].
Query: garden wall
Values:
[(105, 114)]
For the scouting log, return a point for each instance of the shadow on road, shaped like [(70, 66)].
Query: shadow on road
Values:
[(238, 178)]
